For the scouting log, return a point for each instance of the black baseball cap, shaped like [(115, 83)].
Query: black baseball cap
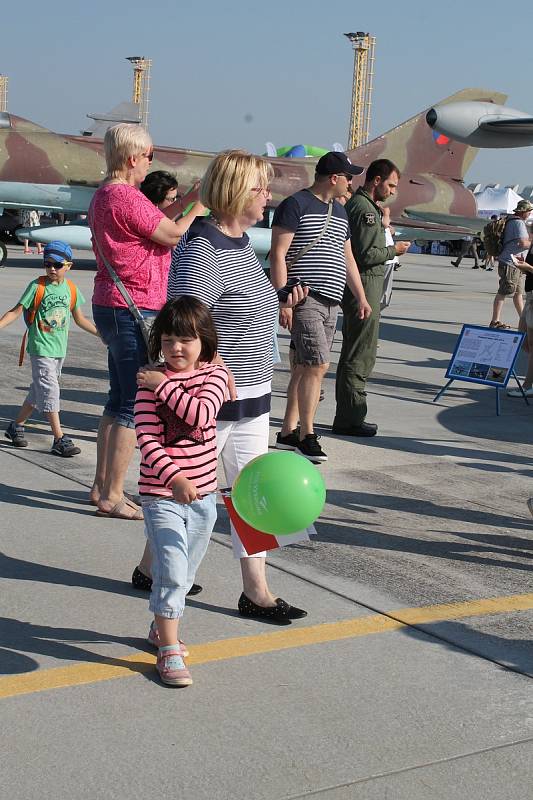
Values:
[(337, 162)]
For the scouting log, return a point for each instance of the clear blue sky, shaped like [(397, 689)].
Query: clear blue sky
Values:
[(239, 73)]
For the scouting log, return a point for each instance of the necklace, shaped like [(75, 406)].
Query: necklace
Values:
[(221, 227)]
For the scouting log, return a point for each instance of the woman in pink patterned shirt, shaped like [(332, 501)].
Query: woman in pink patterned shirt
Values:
[(136, 238)]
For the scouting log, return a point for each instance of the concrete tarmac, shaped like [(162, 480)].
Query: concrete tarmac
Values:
[(410, 677)]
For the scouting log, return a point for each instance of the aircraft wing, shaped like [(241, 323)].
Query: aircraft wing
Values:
[(468, 225), (79, 237), (420, 230)]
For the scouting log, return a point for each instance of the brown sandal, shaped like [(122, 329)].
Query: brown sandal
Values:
[(129, 502), (500, 326), (117, 512)]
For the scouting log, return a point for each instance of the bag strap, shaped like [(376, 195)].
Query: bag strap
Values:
[(73, 289), (123, 291), (32, 313), (301, 253)]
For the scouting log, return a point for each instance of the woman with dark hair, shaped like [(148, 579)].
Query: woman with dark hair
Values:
[(161, 188)]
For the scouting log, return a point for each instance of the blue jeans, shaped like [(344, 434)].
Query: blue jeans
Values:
[(126, 352), (178, 536)]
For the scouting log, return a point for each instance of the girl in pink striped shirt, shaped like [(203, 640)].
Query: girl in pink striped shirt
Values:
[(175, 422)]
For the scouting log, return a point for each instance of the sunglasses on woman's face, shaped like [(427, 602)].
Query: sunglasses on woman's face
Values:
[(149, 156)]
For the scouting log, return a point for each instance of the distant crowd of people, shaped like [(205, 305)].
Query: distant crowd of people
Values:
[(191, 359)]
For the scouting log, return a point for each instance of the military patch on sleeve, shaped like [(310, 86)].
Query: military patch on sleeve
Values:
[(370, 218)]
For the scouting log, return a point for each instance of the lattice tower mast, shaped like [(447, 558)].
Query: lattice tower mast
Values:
[(141, 85), (363, 75), (3, 92)]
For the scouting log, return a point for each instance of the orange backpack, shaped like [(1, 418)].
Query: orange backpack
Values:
[(30, 313)]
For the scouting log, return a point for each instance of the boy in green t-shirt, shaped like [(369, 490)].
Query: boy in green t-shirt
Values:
[(47, 344)]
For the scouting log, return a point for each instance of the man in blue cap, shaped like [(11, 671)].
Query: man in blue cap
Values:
[(47, 304)]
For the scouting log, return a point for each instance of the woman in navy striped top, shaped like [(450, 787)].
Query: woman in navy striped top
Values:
[(218, 266)]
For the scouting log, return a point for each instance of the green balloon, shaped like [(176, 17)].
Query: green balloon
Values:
[(279, 493)]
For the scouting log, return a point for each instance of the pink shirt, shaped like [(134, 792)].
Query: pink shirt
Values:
[(123, 220), (176, 429)]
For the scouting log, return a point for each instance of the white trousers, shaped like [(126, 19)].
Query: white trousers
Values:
[(238, 442)]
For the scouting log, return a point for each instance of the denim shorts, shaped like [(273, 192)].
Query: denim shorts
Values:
[(126, 352), (178, 536)]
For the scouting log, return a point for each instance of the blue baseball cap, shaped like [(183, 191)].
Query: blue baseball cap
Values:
[(57, 251)]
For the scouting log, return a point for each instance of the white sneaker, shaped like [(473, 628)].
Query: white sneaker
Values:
[(518, 393)]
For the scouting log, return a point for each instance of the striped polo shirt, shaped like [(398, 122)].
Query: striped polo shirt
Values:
[(224, 273), (176, 429), (323, 267)]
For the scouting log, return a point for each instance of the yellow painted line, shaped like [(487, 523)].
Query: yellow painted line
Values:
[(288, 638)]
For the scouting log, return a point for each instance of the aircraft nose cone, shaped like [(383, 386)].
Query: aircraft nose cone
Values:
[(431, 117)]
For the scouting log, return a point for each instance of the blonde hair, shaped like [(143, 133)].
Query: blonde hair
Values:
[(122, 141), (225, 187)]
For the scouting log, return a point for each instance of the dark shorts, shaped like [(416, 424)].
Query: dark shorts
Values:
[(314, 323), (126, 352), (512, 280)]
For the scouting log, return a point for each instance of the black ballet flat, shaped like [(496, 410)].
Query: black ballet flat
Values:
[(281, 614), (141, 581)]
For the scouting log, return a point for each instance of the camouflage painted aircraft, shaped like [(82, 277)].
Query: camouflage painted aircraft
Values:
[(56, 172)]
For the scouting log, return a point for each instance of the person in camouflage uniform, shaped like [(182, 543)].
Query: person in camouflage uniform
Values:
[(360, 336)]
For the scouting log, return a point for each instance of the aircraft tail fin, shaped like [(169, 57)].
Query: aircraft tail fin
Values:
[(416, 148), (124, 112)]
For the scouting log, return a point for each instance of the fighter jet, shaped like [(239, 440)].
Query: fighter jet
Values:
[(56, 172)]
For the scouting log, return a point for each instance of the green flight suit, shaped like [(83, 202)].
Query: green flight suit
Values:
[(360, 337)]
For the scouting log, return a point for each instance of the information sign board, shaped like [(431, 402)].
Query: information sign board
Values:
[(484, 355)]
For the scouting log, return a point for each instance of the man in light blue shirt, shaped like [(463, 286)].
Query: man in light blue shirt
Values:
[(516, 242)]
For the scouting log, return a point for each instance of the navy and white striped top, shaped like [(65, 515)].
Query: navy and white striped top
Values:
[(225, 274), (323, 268)]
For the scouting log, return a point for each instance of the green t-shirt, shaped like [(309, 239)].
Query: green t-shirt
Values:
[(49, 333)]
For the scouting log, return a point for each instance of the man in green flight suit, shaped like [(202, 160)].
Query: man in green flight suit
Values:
[(360, 336)]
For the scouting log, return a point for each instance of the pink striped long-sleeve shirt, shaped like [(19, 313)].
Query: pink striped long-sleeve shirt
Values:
[(176, 429)]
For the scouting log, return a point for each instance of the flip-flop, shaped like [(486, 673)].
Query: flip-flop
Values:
[(116, 511)]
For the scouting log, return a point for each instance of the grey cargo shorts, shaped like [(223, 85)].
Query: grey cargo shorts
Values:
[(314, 323)]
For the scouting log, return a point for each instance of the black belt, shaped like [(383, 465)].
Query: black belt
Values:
[(322, 299)]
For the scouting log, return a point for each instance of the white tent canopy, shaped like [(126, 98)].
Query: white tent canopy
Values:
[(496, 201)]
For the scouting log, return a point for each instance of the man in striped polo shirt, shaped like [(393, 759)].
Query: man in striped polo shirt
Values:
[(311, 241)]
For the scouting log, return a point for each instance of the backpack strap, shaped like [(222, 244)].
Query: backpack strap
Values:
[(31, 313), (73, 289)]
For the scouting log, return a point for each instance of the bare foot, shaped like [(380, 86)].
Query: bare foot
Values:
[(94, 495)]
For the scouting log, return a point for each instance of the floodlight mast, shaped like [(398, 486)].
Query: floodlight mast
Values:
[(3, 92), (363, 75), (141, 85)]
